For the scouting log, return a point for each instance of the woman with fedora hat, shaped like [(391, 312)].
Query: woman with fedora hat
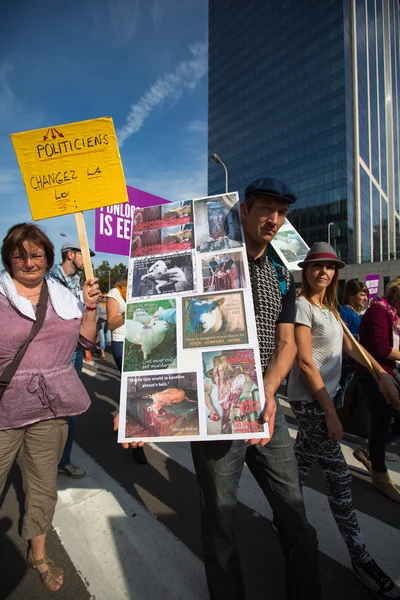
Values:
[(313, 383)]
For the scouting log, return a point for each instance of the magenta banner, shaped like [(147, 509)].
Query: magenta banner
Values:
[(372, 283), (113, 223)]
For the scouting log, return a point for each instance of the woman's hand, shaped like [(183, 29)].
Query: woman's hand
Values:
[(126, 445), (335, 429), (389, 390), (91, 292)]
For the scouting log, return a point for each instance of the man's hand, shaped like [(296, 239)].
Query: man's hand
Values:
[(389, 390), (335, 429), (268, 416), (125, 445)]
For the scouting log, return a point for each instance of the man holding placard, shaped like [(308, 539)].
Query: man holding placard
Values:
[(271, 460)]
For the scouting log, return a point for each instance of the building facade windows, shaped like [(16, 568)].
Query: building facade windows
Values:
[(282, 103)]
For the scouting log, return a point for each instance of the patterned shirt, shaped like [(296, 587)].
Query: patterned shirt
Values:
[(270, 306), (73, 282)]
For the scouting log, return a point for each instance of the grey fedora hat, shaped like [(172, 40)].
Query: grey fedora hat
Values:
[(321, 252)]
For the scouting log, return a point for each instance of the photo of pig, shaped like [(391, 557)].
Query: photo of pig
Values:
[(217, 223), (177, 213), (231, 392), (162, 405), (214, 320), (162, 241), (171, 274), (150, 336)]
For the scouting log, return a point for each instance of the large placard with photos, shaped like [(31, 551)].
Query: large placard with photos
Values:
[(191, 365)]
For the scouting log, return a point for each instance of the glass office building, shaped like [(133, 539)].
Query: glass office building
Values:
[(310, 92)]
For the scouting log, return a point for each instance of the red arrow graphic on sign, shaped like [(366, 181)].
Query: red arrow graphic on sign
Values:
[(58, 132), (53, 131)]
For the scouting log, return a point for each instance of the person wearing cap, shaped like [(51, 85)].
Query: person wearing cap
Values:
[(219, 464), (68, 274), (313, 384)]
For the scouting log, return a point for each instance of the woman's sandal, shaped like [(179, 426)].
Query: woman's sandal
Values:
[(49, 577)]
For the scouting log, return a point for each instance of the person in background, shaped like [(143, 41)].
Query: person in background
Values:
[(356, 296), (67, 273), (313, 384), (379, 334), (116, 307), (104, 332), (45, 391), (213, 264)]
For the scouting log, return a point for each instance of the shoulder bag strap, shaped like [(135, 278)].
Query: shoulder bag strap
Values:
[(11, 369), (359, 349)]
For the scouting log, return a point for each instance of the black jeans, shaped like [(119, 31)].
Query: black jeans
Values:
[(382, 414), (219, 466)]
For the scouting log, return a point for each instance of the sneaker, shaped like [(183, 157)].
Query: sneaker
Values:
[(72, 471), (376, 580), (391, 457), (362, 455), (383, 483), (139, 455)]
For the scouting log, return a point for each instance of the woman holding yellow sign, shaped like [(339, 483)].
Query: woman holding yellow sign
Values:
[(42, 323)]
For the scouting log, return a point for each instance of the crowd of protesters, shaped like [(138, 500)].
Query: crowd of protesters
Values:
[(50, 319)]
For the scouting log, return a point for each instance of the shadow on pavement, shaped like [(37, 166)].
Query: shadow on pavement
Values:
[(17, 580)]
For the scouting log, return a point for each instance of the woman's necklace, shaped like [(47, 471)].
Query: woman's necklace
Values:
[(324, 309), (27, 296)]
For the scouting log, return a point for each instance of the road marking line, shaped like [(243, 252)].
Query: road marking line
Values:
[(120, 549), (108, 400), (94, 374), (102, 367)]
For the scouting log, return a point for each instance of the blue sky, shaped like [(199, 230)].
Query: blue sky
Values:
[(142, 62)]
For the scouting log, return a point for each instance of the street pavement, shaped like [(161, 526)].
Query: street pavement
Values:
[(127, 531)]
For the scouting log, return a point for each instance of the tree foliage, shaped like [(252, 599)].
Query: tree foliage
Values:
[(109, 276)]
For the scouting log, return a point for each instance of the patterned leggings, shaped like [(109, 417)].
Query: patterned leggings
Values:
[(312, 444)]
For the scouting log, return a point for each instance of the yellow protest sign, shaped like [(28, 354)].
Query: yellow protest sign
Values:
[(70, 168)]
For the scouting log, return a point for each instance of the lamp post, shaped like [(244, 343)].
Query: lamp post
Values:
[(329, 231), (215, 158)]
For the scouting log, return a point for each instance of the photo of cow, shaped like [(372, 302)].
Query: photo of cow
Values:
[(231, 392), (214, 320), (169, 274), (162, 406), (217, 223)]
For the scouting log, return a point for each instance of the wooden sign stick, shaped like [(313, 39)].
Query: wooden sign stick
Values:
[(360, 351), (83, 241)]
